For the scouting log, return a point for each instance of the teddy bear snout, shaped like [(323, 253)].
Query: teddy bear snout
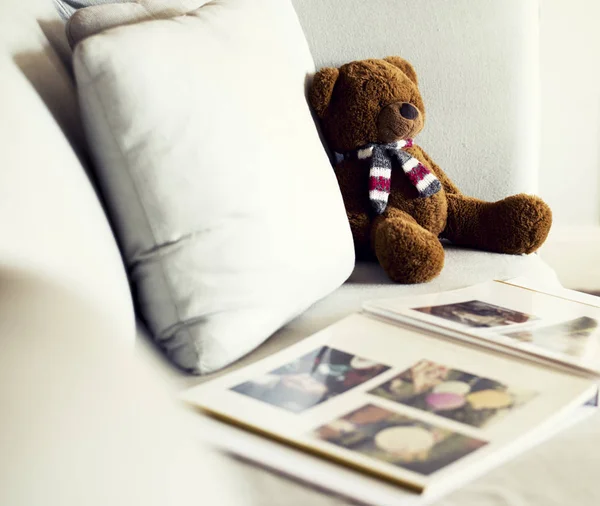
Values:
[(398, 120)]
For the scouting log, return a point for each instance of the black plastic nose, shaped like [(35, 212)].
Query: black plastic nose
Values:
[(409, 111)]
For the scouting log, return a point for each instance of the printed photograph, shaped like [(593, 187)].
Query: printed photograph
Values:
[(311, 379), (458, 395), (578, 338), (478, 314), (397, 439)]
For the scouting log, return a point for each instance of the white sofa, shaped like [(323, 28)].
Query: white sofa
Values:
[(64, 297)]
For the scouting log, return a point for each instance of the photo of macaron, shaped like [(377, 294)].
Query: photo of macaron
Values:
[(459, 395)]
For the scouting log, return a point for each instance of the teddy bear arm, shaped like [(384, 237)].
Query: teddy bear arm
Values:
[(423, 157)]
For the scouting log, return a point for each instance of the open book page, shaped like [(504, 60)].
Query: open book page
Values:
[(406, 407), (541, 325)]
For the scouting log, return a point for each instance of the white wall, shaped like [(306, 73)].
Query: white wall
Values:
[(570, 110)]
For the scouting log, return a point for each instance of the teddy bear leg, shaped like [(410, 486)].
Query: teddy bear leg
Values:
[(515, 225), (407, 252)]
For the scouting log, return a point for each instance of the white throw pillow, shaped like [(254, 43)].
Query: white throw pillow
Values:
[(229, 216)]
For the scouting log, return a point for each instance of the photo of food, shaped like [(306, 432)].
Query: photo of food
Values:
[(578, 338), (311, 379), (458, 395), (478, 314), (397, 439)]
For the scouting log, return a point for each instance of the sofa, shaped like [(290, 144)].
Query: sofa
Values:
[(69, 324)]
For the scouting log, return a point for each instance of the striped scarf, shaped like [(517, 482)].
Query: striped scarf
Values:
[(380, 171)]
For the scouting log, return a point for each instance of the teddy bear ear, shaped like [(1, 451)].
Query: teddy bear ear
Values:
[(404, 66), (321, 89)]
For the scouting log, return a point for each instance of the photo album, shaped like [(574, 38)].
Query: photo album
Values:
[(422, 391)]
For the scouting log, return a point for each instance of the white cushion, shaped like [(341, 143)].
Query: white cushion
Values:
[(228, 212)]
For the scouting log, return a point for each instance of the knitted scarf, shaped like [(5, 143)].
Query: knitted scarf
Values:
[(380, 171)]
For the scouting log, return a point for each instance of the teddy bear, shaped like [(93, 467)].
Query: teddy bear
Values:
[(398, 201)]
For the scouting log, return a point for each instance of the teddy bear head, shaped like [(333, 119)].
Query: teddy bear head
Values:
[(367, 101)]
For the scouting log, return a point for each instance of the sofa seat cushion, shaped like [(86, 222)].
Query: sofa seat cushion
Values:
[(368, 281)]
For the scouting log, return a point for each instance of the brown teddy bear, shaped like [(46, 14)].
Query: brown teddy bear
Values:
[(399, 202)]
